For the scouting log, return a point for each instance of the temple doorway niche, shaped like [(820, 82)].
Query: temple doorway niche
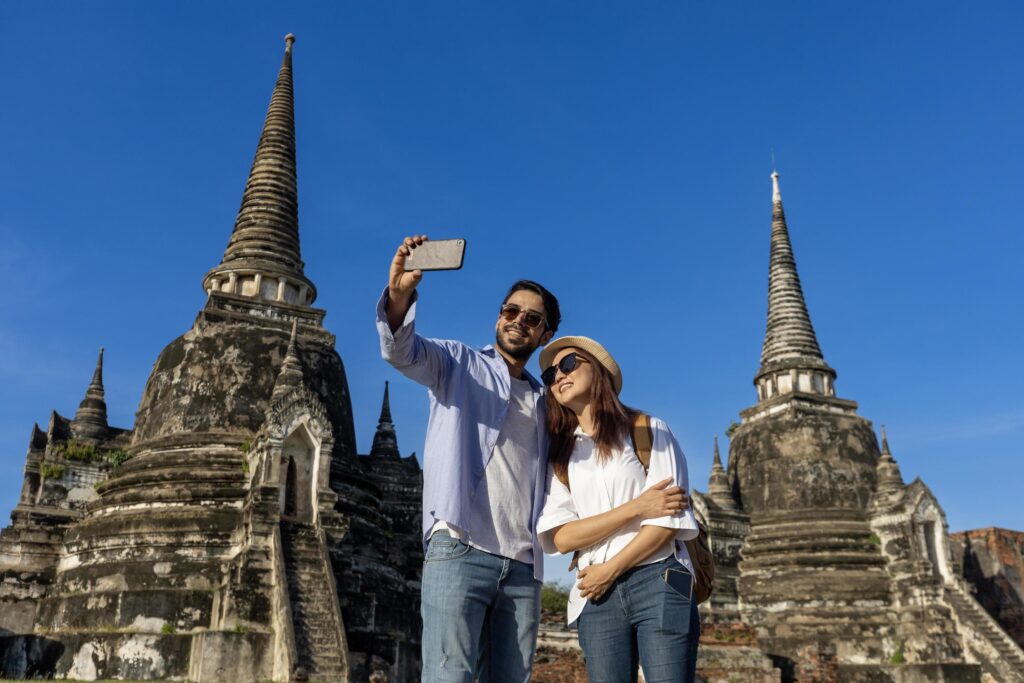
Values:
[(932, 530), (929, 544), (299, 464)]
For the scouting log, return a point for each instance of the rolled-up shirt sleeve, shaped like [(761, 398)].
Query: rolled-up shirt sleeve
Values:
[(667, 460), (422, 360), (558, 509)]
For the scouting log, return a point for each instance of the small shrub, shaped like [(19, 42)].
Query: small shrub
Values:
[(897, 656), (554, 598), (49, 470), (873, 539), (81, 452), (167, 629), (90, 453), (731, 429), (240, 629), (246, 446), (118, 457)]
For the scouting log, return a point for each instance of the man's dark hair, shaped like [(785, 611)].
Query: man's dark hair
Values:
[(554, 313)]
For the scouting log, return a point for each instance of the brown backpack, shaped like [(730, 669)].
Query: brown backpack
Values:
[(699, 548)]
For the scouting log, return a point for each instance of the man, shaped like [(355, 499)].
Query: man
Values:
[(484, 469)]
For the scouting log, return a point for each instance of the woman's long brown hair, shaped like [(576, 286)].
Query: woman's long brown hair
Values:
[(613, 419)]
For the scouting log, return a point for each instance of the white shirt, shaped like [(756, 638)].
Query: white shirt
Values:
[(502, 504), (601, 484)]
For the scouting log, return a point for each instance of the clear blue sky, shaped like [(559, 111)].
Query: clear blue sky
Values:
[(619, 153)]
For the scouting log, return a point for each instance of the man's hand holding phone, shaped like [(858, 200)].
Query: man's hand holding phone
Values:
[(402, 283)]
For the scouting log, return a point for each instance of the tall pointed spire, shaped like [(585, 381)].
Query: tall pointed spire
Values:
[(290, 375), (888, 475), (385, 440), (719, 489), (789, 333), (90, 423), (790, 346), (263, 258)]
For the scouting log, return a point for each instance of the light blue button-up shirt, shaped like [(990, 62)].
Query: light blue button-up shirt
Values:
[(469, 398)]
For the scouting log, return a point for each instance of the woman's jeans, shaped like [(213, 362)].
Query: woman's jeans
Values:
[(480, 615), (642, 619)]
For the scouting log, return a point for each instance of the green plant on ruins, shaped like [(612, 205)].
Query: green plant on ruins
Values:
[(90, 453), (897, 656), (49, 470), (80, 452), (118, 457)]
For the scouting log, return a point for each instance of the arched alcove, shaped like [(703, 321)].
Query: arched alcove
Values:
[(298, 465), (930, 527)]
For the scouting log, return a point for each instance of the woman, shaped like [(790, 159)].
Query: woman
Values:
[(627, 525)]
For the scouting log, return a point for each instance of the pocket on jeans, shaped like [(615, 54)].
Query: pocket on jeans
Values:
[(676, 588), (443, 547)]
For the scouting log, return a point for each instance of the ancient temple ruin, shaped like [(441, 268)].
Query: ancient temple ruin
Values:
[(233, 533), (838, 569)]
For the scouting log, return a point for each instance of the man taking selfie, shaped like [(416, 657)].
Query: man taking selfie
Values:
[(484, 470)]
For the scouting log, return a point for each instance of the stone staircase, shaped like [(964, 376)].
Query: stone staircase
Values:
[(999, 655), (314, 615)]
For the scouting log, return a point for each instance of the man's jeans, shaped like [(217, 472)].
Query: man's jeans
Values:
[(641, 619), (480, 615)]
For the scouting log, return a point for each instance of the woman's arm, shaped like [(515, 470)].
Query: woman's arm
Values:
[(658, 501), (596, 579)]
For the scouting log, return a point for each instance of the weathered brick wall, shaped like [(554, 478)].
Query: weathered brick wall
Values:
[(993, 561)]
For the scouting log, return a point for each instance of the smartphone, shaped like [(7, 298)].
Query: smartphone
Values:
[(437, 255), (679, 580)]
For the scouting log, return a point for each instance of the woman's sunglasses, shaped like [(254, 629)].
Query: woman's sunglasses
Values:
[(511, 313), (568, 363)]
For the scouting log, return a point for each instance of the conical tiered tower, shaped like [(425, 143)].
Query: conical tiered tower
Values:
[(816, 539), (802, 463), (90, 423), (263, 257), (212, 546), (385, 441)]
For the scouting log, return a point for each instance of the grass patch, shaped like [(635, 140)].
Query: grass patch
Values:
[(80, 451), (897, 656), (48, 470)]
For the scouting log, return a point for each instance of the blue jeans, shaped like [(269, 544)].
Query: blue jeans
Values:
[(642, 619), (480, 615)]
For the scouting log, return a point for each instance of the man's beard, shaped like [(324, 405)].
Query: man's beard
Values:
[(518, 352)]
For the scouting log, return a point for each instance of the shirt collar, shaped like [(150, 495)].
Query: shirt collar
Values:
[(492, 352)]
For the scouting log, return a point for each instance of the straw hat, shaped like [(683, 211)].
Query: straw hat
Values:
[(599, 353)]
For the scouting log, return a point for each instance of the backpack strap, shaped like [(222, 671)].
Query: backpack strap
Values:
[(643, 439)]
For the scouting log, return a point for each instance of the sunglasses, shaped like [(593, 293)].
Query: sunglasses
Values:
[(568, 363), (511, 313)]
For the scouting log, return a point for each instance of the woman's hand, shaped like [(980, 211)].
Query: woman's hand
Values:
[(596, 579), (661, 500)]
